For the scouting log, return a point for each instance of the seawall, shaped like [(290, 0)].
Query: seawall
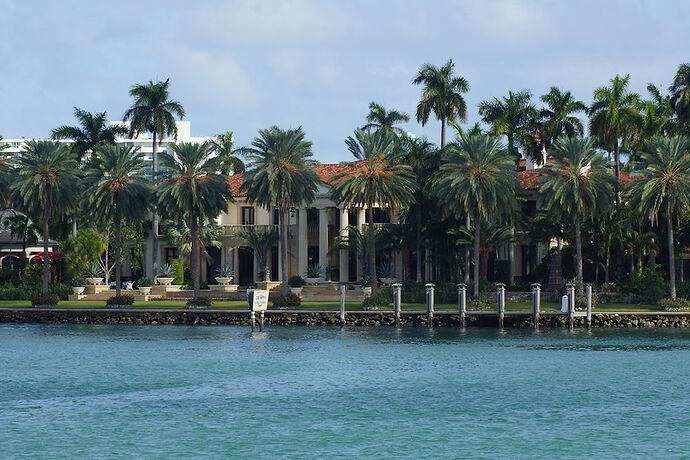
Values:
[(331, 318)]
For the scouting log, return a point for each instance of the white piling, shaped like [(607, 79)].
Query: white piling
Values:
[(536, 304), (570, 293), (462, 302), (588, 291), (397, 293), (501, 301), (430, 304), (342, 305)]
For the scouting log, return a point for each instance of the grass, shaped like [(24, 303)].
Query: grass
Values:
[(327, 306)]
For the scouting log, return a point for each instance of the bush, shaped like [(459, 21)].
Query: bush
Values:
[(680, 304), (296, 281), (6, 274), (144, 282), (178, 271), (48, 300), (481, 304), (520, 287), (647, 285), (202, 301), (581, 302), (287, 300), (189, 286), (374, 303), (683, 290), (123, 299)]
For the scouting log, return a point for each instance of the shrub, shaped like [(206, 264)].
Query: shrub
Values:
[(296, 281), (77, 281), (178, 271), (94, 270), (6, 275), (189, 286), (680, 304), (374, 303), (144, 282), (647, 285), (202, 301), (123, 299), (287, 300), (581, 302), (481, 304), (49, 299), (521, 287), (225, 271)]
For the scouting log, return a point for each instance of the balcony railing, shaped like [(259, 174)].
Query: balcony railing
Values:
[(234, 230)]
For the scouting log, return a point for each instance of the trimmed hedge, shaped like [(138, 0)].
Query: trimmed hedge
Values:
[(123, 299), (202, 301), (288, 300), (41, 300)]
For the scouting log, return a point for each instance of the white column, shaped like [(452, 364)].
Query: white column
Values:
[(361, 217), (344, 253), (323, 241), (279, 277), (302, 239), (236, 264)]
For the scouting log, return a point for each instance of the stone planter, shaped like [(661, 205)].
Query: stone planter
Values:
[(223, 281), (78, 290), (387, 281), (313, 281), (296, 290), (145, 290), (366, 290), (164, 280), (94, 281)]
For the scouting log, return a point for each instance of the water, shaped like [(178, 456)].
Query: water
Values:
[(173, 392)]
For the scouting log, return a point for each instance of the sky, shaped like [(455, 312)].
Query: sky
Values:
[(243, 65)]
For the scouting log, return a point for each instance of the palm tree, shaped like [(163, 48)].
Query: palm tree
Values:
[(118, 191), (557, 117), (614, 116), (655, 120), (662, 185), (45, 184), (261, 242), (5, 174), (377, 180), (380, 118), (230, 163), (153, 111), (511, 116), (93, 132), (178, 233), (578, 184), (192, 188), (477, 177), (280, 175), (680, 93), (23, 228), (493, 235), (441, 94)]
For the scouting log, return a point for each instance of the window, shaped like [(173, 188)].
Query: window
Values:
[(170, 254), (247, 215)]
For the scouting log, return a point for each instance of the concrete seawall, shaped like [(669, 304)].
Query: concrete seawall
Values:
[(331, 318)]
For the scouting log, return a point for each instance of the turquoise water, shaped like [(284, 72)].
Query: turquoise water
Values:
[(172, 392)]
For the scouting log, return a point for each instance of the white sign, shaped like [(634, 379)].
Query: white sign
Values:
[(260, 300)]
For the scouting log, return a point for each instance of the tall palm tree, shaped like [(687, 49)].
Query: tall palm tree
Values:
[(230, 163), (680, 93), (191, 187), (477, 177), (380, 118), (119, 191), (45, 184), (5, 174), (23, 228), (153, 111), (614, 115), (377, 180), (578, 184), (279, 174), (441, 94), (655, 120), (662, 185), (261, 242), (178, 233), (558, 118), (511, 116), (93, 132)]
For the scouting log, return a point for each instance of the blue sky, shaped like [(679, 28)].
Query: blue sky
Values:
[(246, 65)]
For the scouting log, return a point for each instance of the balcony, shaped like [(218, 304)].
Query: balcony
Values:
[(234, 230)]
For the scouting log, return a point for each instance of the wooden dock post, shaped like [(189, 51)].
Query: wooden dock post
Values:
[(430, 304), (342, 305), (501, 301), (462, 302), (397, 293), (261, 321), (570, 293), (588, 291), (536, 304)]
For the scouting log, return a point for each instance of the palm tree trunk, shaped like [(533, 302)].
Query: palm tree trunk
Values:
[(118, 248), (617, 168), (418, 212), (578, 257), (283, 250), (372, 250), (608, 262), (74, 224), (671, 257), (443, 132), (467, 252), (195, 255), (477, 237), (155, 210), (46, 259)]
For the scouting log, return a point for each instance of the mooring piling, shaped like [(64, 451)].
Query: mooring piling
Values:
[(462, 302), (588, 291), (536, 304), (397, 293), (342, 305), (501, 301), (570, 293), (430, 304)]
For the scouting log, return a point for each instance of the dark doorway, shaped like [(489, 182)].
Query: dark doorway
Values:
[(246, 266), (213, 265)]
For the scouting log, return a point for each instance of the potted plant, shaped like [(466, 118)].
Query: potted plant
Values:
[(166, 275), (224, 274), (296, 283), (314, 272), (365, 282), (385, 272), (94, 274), (144, 285), (78, 285)]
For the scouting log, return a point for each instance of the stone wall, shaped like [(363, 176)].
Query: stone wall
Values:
[(303, 318)]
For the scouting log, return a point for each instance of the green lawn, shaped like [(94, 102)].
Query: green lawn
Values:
[(327, 306)]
